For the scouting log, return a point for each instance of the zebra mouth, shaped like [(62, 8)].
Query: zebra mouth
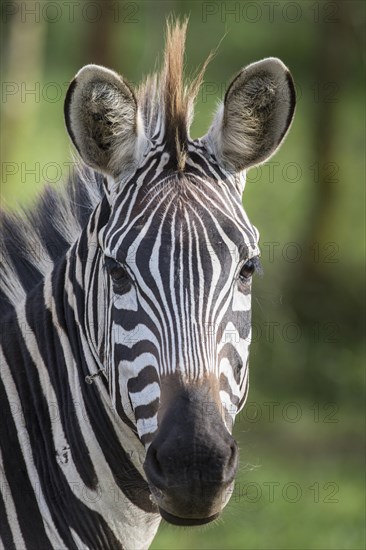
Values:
[(176, 520), (158, 496)]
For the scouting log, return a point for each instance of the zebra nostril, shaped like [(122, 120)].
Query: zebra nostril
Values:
[(155, 462), (232, 462), (153, 468)]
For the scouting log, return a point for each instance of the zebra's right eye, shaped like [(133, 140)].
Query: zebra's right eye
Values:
[(118, 274)]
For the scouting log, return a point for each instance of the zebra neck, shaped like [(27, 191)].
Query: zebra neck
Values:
[(76, 288), (72, 452)]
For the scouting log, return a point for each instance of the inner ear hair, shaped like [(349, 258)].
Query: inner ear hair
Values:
[(101, 118), (256, 114)]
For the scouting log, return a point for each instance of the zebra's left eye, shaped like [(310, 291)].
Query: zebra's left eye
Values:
[(248, 269)]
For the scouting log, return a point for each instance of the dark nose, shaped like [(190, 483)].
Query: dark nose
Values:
[(193, 452), (192, 464)]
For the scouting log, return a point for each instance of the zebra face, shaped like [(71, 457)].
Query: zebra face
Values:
[(178, 254)]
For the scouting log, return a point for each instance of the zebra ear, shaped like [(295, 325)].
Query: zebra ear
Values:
[(255, 116), (103, 120)]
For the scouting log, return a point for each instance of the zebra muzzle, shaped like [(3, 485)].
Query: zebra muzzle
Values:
[(192, 462)]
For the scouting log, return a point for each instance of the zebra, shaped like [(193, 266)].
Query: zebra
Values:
[(126, 310)]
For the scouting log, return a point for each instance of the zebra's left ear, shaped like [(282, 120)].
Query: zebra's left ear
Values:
[(103, 120), (255, 116)]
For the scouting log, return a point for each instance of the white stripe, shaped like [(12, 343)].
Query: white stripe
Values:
[(10, 508)]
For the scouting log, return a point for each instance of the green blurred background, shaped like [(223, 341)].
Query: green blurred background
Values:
[(301, 482)]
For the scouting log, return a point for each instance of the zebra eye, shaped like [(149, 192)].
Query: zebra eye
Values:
[(248, 269), (117, 273)]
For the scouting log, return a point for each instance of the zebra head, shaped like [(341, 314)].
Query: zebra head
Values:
[(178, 253)]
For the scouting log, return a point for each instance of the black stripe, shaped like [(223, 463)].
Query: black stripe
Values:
[(225, 386), (130, 353), (121, 412), (146, 376), (236, 361), (16, 476), (147, 411), (5, 533)]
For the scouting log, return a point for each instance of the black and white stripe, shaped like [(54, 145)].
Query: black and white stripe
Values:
[(141, 285)]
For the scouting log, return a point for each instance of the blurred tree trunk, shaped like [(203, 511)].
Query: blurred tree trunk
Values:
[(331, 67), (319, 292), (312, 290), (21, 83), (99, 48)]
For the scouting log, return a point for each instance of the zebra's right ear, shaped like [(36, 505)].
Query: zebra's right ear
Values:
[(103, 120)]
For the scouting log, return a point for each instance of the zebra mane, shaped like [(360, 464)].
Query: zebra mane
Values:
[(166, 98), (32, 239)]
